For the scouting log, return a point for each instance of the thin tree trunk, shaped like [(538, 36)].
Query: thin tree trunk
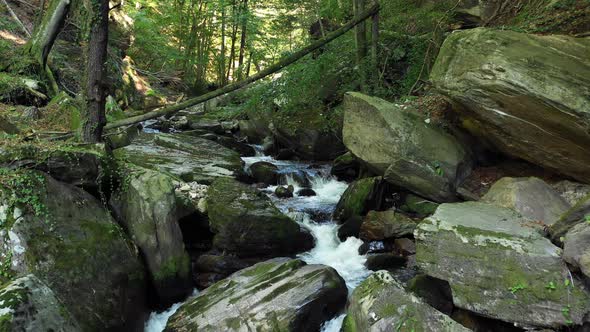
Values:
[(262, 74), (232, 52), (16, 19), (222, 57), (244, 17), (94, 117), (375, 49), (361, 43)]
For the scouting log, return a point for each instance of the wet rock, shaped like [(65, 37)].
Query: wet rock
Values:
[(576, 249), (251, 131), (148, 210), (380, 303), (72, 244), (572, 217), (306, 192), (360, 197), (276, 295), (385, 225), (403, 148), (419, 206), (437, 293), (499, 265), (246, 223), (405, 246), (351, 227), (27, 304), (284, 191), (200, 123), (345, 167), (285, 154), (531, 197), (384, 261), (121, 137), (265, 172), (496, 77), (184, 157), (299, 176), (211, 268)]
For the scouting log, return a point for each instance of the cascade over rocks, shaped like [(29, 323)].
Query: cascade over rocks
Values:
[(276, 295), (525, 94), (531, 197), (499, 265), (404, 149), (380, 303), (246, 222), (184, 157), (147, 208), (27, 304), (73, 245)]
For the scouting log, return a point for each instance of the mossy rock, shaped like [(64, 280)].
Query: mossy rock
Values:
[(390, 224), (577, 214), (360, 197), (71, 243), (499, 265), (419, 206), (246, 222), (276, 295)]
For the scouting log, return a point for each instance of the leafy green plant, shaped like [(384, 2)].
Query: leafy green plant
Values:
[(516, 288), (550, 285)]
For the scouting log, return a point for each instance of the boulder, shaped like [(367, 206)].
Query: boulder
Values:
[(276, 295), (531, 197), (183, 157), (498, 83), (403, 148), (404, 246), (265, 172), (350, 227), (27, 304), (576, 249), (247, 223), (386, 225), (437, 293), (66, 238), (384, 261), (380, 303), (7, 127), (418, 206), (306, 192), (284, 191), (360, 197), (499, 265), (147, 209), (198, 122), (571, 191), (572, 217), (345, 167)]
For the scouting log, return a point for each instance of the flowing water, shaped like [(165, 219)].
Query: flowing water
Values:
[(314, 214)]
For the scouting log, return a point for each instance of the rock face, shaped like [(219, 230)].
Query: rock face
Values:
[(381, 304), (70, 242), (386, 224), (276, 295), (360, 197), (401, 146), (499, 82), (499, 265), (265, 172), (531, 197), (572, 217), (184, 157), (27, 304), (576, 249), (246, 222), (147, 208)]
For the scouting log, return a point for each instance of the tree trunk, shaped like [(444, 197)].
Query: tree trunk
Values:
[(375, 49), (361, 43), (94, 117), (262, 74), (222, 56), (244, 17), (232, 52)]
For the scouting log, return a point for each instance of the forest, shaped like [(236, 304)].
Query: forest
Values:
[(295, 165)]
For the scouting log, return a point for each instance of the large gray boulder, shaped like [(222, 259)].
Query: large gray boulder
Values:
[(576, 249), (525, 94), (27, 304), (380, 304), (182, 156), (403, 148), (246, 222), (69, 240), (500, 266), (276, 295), (147, 207), (531, 197)]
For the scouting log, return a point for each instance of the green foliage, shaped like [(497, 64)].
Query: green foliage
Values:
[(516, 288), (22, 189)]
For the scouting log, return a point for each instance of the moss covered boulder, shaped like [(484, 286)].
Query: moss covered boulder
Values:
[(360, 197), (403, 148), (499, 265), (27, 304), (147, 207), (380, 303), (381, 225), (525, 94), (276, 295), (576, 249), (577, 214), (531, 197), (246, 222), (182, 156), (265, 172), (69, 240)]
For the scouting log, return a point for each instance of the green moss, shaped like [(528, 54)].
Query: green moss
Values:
[(6, 323), (175, 266), (349, 325)]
